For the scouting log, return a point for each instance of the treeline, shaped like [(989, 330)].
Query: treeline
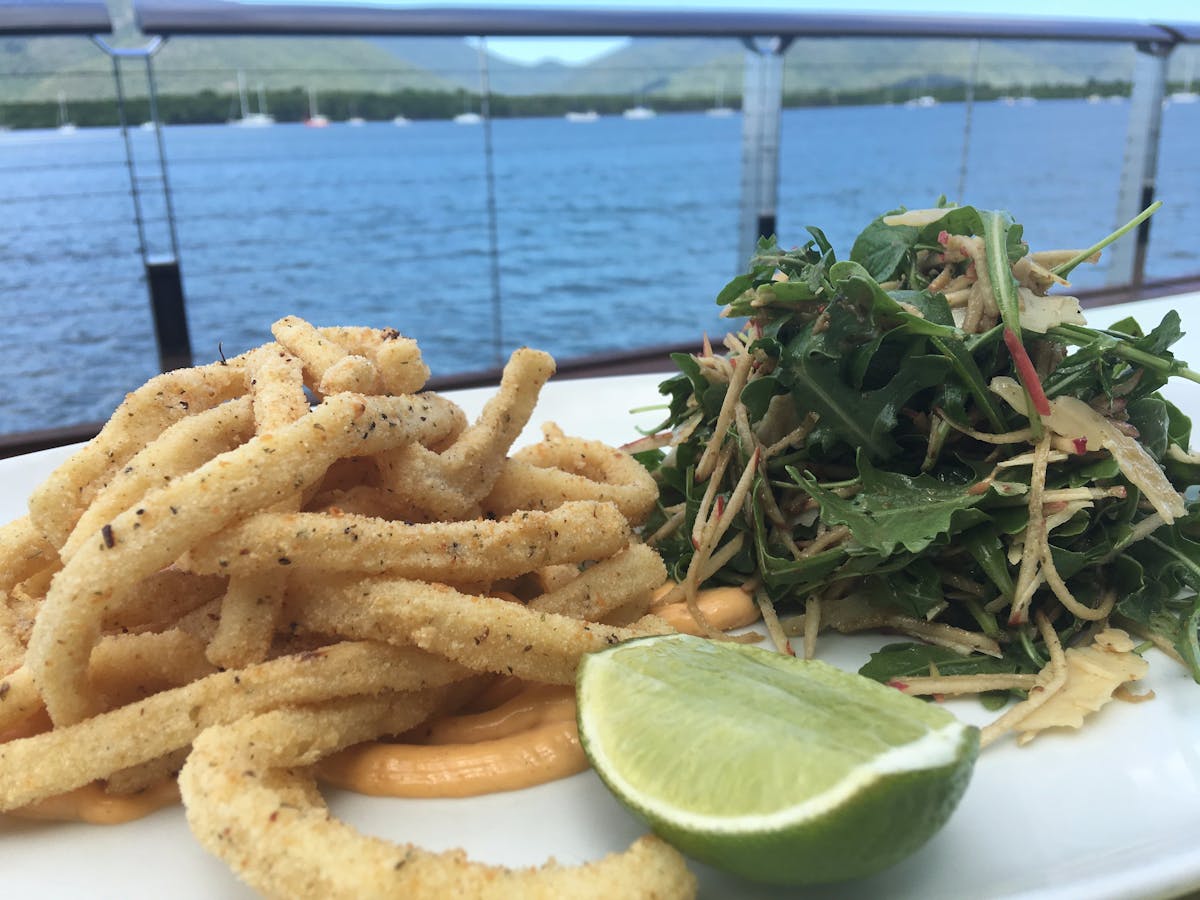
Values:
[(956, 93), (209, 107)]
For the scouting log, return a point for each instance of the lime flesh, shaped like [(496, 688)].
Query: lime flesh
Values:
[(778, 769)]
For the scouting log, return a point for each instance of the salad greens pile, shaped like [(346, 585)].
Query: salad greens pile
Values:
[(922, 436)]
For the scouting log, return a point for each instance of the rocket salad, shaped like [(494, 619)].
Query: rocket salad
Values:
[(926, 438)]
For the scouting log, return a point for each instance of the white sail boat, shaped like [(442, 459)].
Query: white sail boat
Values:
[(65, 125), (315, 119), (467, 116), (639, 111), (719, 110), (260, 119)]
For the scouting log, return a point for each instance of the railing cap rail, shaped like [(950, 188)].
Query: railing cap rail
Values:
[(1184, 32), (31, 17), (221, 17)]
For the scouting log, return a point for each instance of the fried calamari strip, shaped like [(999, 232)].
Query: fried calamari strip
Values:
[(160, 600), (482, 633), (328, 368), (126, 668), (23, 551), (450, 484), (242, 775), (250, 607), (123, 668), (249, 614), (397, 359), (275, 380), (60, 500), (549, 473), (476, 550), (71, 756), (617, 583), (182, 447), (175, 517)]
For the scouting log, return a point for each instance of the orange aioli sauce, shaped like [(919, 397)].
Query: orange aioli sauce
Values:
[(724, 607), (529, 738), (92, 804)]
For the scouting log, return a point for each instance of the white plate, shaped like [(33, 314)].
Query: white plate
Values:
[(1111, 811)]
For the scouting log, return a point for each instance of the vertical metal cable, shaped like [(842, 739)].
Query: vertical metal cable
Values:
[(134, 192), (152, 85), (490, 180), (168, 306), (972, 77)]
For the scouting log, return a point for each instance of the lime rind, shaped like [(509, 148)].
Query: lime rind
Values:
[(821, 775), (935, 750)]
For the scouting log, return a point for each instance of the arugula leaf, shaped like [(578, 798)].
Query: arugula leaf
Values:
[(856, 284), (873, 373), (984, 544), (914, 590), (892, 511), (811, 369), (882, 249), (907, 660), (1149, 415)]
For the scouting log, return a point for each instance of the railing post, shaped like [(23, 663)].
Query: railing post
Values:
[(164, 280), (1127, 259), (762, 104)]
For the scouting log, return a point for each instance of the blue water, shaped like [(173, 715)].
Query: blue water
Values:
[(612, 235)]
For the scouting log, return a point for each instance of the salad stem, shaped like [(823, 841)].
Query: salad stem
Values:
[(1030, 650), (1064, 269), (1080, 335)]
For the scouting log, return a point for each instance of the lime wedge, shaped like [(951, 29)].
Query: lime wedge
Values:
[(778, 769)]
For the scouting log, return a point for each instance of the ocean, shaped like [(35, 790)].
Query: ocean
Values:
[(613, 234)]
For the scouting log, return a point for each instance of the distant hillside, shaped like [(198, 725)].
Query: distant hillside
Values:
[(41, 68), (454, 60), (691, 66), (687, 66)]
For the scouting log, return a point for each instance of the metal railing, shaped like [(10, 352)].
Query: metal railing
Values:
[(766, 37)]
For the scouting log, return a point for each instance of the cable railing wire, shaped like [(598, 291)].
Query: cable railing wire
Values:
[(205, 248)]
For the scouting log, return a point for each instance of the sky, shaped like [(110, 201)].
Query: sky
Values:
[(577, 50)]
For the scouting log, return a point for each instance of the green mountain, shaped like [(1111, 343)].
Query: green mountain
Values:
[(42, 68), (675, 66), (39, 69), (457, 62)]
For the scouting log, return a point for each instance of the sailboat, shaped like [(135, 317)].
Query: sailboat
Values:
[(639, 111), (315, 119), (925, 101), (467, 117), (65, 125), (719, 110), (589, 116), (248, 119)]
